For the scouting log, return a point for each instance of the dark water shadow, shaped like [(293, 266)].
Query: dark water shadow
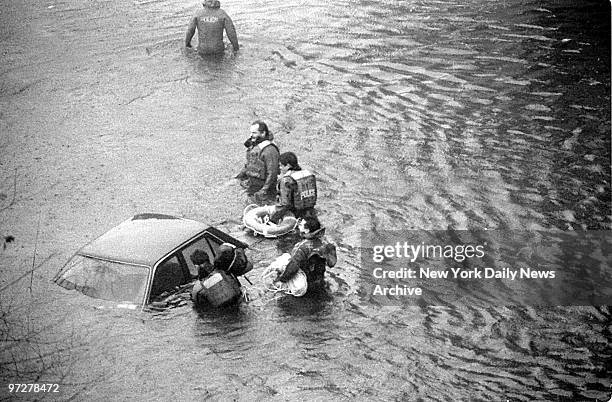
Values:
[(220, 320), (210, 314), (319, 303)]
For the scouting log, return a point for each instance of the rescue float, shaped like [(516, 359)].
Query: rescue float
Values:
[(257, 219), (296, 286)]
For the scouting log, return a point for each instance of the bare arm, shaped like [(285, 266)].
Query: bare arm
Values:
[(230, 31), (190, 31)]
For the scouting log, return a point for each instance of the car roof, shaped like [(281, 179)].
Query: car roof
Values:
[(143, 239)]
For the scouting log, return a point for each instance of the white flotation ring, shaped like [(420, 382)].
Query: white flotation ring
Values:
[(296, 286), (257, 219)]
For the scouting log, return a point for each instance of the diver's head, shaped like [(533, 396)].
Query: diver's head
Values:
[(259, 130), (211, 4), (288, 161), (309, 225)]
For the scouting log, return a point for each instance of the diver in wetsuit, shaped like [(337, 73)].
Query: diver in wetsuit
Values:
[(311, 255), (210, 22)]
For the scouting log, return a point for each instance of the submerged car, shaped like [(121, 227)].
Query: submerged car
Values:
[(142, 259)]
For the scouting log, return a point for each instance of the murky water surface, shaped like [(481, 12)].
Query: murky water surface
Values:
[(413, 114)]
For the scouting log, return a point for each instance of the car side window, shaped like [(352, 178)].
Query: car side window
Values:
[(214, 243), (207, 244), (168, 276)]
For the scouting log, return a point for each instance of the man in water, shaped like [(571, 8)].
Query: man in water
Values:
[(201, 261), (259, 174), (210, 23), (230, 290), (311, 255), (297, 189)]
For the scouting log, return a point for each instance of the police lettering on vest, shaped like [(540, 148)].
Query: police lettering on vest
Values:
[(305, 196)]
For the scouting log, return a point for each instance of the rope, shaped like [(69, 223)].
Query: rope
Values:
[(245, 294), (284, 287), (266, 275)]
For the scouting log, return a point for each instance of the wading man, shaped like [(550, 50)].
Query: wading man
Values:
[(297, 189), (259, 174), (210, 23), (311, 255)]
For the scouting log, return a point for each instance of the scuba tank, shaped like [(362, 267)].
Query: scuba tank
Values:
[(220, 288)]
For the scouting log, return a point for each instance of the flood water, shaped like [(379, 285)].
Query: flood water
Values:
[(413, 114)]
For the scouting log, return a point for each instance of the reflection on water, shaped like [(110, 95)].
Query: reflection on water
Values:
[(413, 115)]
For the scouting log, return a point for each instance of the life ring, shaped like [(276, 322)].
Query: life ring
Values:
[(257, 219), (296, 286)]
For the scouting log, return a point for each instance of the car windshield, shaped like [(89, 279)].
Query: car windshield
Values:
[(107, 280)]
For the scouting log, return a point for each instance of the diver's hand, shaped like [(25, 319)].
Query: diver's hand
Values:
[(279, 273)]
